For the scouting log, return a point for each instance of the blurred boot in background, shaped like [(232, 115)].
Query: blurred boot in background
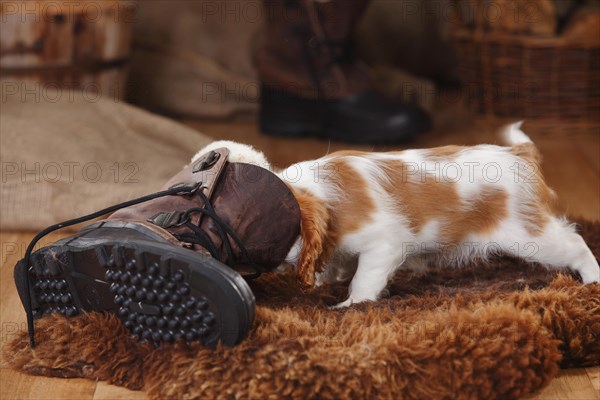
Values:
[(313, 85)]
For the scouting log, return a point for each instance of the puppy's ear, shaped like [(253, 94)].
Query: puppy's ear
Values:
[(314, 233)]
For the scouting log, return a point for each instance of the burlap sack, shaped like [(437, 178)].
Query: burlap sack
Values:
[(196, 58), (67, 154)]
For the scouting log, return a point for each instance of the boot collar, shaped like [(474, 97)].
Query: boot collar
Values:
[(256, 204)]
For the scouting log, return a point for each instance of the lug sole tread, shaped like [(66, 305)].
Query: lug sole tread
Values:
[(160, 293)]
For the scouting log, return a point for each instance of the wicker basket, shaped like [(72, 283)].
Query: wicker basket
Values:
[(519, 75)]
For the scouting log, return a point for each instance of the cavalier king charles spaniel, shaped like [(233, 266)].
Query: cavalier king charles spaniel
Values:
[(367, 214)]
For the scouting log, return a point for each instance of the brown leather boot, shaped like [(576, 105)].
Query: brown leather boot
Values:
[(312, 83), (169, 263), (308, 48)]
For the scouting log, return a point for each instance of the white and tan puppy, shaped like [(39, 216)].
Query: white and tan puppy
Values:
[(377, 212)]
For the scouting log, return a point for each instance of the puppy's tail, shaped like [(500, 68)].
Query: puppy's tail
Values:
[(520, 144), (512, 134)]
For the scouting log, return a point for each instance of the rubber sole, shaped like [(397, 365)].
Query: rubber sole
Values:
[(162, 293), (285, 115), (294, 129)]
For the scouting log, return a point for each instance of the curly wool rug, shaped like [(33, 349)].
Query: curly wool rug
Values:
[(495, 330)]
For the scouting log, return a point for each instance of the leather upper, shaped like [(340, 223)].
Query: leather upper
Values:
[(253, 201)]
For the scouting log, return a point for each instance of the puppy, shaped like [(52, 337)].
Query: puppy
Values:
[(364, 215), (378, 212)]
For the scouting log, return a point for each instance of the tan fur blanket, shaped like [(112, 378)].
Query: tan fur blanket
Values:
[(495, 330)]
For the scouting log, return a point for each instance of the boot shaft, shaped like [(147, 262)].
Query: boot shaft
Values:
[(308, 49), (258, 207)]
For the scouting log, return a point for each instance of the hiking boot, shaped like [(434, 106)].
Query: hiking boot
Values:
[(312, 83), (172, 264)]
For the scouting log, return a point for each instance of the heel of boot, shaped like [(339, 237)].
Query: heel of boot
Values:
[(283, 114), (19, 273)]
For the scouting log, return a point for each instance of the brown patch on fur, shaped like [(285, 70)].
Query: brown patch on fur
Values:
[(418, 199), (353, 210), (492, 330), (527, 151), (483, 215), (323, 224), (537, 210), (445, 152), (314, 226), (422, 199), (348, 153)]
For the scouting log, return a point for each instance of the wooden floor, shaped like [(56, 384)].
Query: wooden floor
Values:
[(571, 165)]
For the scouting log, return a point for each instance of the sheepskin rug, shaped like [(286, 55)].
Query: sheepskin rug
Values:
[(499, 329)]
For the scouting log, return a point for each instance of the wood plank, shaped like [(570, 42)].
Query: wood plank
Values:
[(571, 174), (588, 142), (16, 385), (594, 375), (104, 391), (572, 384), (11, 311)]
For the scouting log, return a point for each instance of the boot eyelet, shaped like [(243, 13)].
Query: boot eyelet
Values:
[(208, 161), (169, 219), (188, 189)]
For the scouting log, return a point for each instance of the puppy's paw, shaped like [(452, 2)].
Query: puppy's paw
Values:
[(319, 279), (343, 304), (590, 273), (593, 277)]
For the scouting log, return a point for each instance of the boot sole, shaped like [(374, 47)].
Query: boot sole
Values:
[(298, 128), (285, 115), (161, 292)]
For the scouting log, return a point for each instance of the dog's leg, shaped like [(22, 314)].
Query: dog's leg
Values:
[(561, 246), (417, 263), (341, 268), (375, 268)]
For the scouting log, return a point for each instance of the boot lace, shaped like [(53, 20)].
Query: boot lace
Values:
[(197, 237), (225, 232)]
